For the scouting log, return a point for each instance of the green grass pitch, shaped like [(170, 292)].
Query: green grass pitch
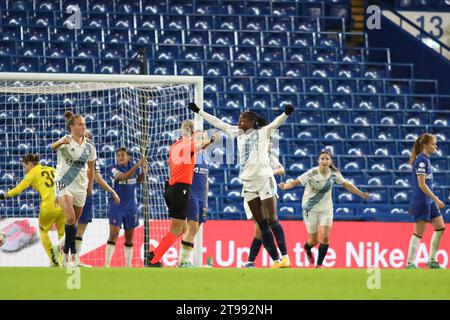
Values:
[(216, 283)]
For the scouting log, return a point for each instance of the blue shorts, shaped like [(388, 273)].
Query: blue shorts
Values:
[(197, 210), (424, 210), (123, 214), (86, 215)]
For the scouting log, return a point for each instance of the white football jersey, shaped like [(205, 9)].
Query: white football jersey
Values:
[(317, 196), (71, 168)]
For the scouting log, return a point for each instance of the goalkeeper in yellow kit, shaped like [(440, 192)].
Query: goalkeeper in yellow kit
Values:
[(40, 178)]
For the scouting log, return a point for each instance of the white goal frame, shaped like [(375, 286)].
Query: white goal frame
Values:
[(197, 81)]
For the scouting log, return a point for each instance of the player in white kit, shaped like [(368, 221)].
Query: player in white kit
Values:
[(74, 177), (274, 224), (253, 134), (317, 202)]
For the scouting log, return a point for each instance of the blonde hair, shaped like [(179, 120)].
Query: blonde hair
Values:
[(187, 128), (423, 139)]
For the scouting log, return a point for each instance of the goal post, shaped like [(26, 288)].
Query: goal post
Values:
[(140, 112)]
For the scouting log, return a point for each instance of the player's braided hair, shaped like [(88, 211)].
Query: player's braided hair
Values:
[(332, 165), (70, 118), (417, 149), (258, 120), (33, 158)]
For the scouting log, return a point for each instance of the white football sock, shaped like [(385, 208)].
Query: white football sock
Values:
[(434, 245), (128, 256), (413, 246), (109, 253)]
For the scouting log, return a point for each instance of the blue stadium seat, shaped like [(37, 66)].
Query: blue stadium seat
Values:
[(27, 65), (294, 69), (226, 22), (180, 7), (287, 8), (127, 6), (386, 132), (268, 69), (359, 132), (303, 131), (238, 84), (390, 117), (60, 35), (356, 178), (86, 50), (206, 7), (15, 18), (333, 132), (302, 148), (221, 53), (238, 69), (280, 23), (249, 38), (91, 35), (60, 50), (439, 118), (216, 68), (232, 7), (43, 19), (214, 84), (317, 86), (5, 64), (189, 68), (54, 65), (334, 146), (257, 8), (259, 100), (264, 85), (197, 37), (298, 164), (223, 38), (32, 49), (352, 163), (272, 38), (291, 85), (8, 48), (81, 66), (400, 195), (113, 51), (201, 22), (257, 23), (379, 178), (101, 6), (245, 53), (166, 52), (357, 148), (162, 67), (117, 36)]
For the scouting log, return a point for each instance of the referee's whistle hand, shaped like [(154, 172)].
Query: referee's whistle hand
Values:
[(193, 107)]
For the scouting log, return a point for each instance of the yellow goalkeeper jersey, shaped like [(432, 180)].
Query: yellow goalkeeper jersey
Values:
[(40, 178)]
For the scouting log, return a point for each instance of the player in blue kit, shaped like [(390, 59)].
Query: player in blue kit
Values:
[(198, 200), (425, 206), (125, 175)]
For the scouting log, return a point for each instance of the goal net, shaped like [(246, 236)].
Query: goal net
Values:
[(140, 113)]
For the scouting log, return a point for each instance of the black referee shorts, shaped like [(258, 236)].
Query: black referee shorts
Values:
[(177, 200)]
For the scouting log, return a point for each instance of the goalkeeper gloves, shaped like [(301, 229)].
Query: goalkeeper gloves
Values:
[(2, 196), (288, 109), (193, 107)]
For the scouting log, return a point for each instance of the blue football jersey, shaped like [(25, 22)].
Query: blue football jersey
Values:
[(201, 171), (124, 188), (421, 166)]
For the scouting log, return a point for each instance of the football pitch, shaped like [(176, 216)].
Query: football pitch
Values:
[(222, 284)]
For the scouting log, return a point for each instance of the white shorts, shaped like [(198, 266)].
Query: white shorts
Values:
[(268, 190), (314, 219), (78, 197)]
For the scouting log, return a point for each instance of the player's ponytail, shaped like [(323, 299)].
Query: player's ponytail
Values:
[(332, 165), (417, 149), (31, 158), (70, 119)]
